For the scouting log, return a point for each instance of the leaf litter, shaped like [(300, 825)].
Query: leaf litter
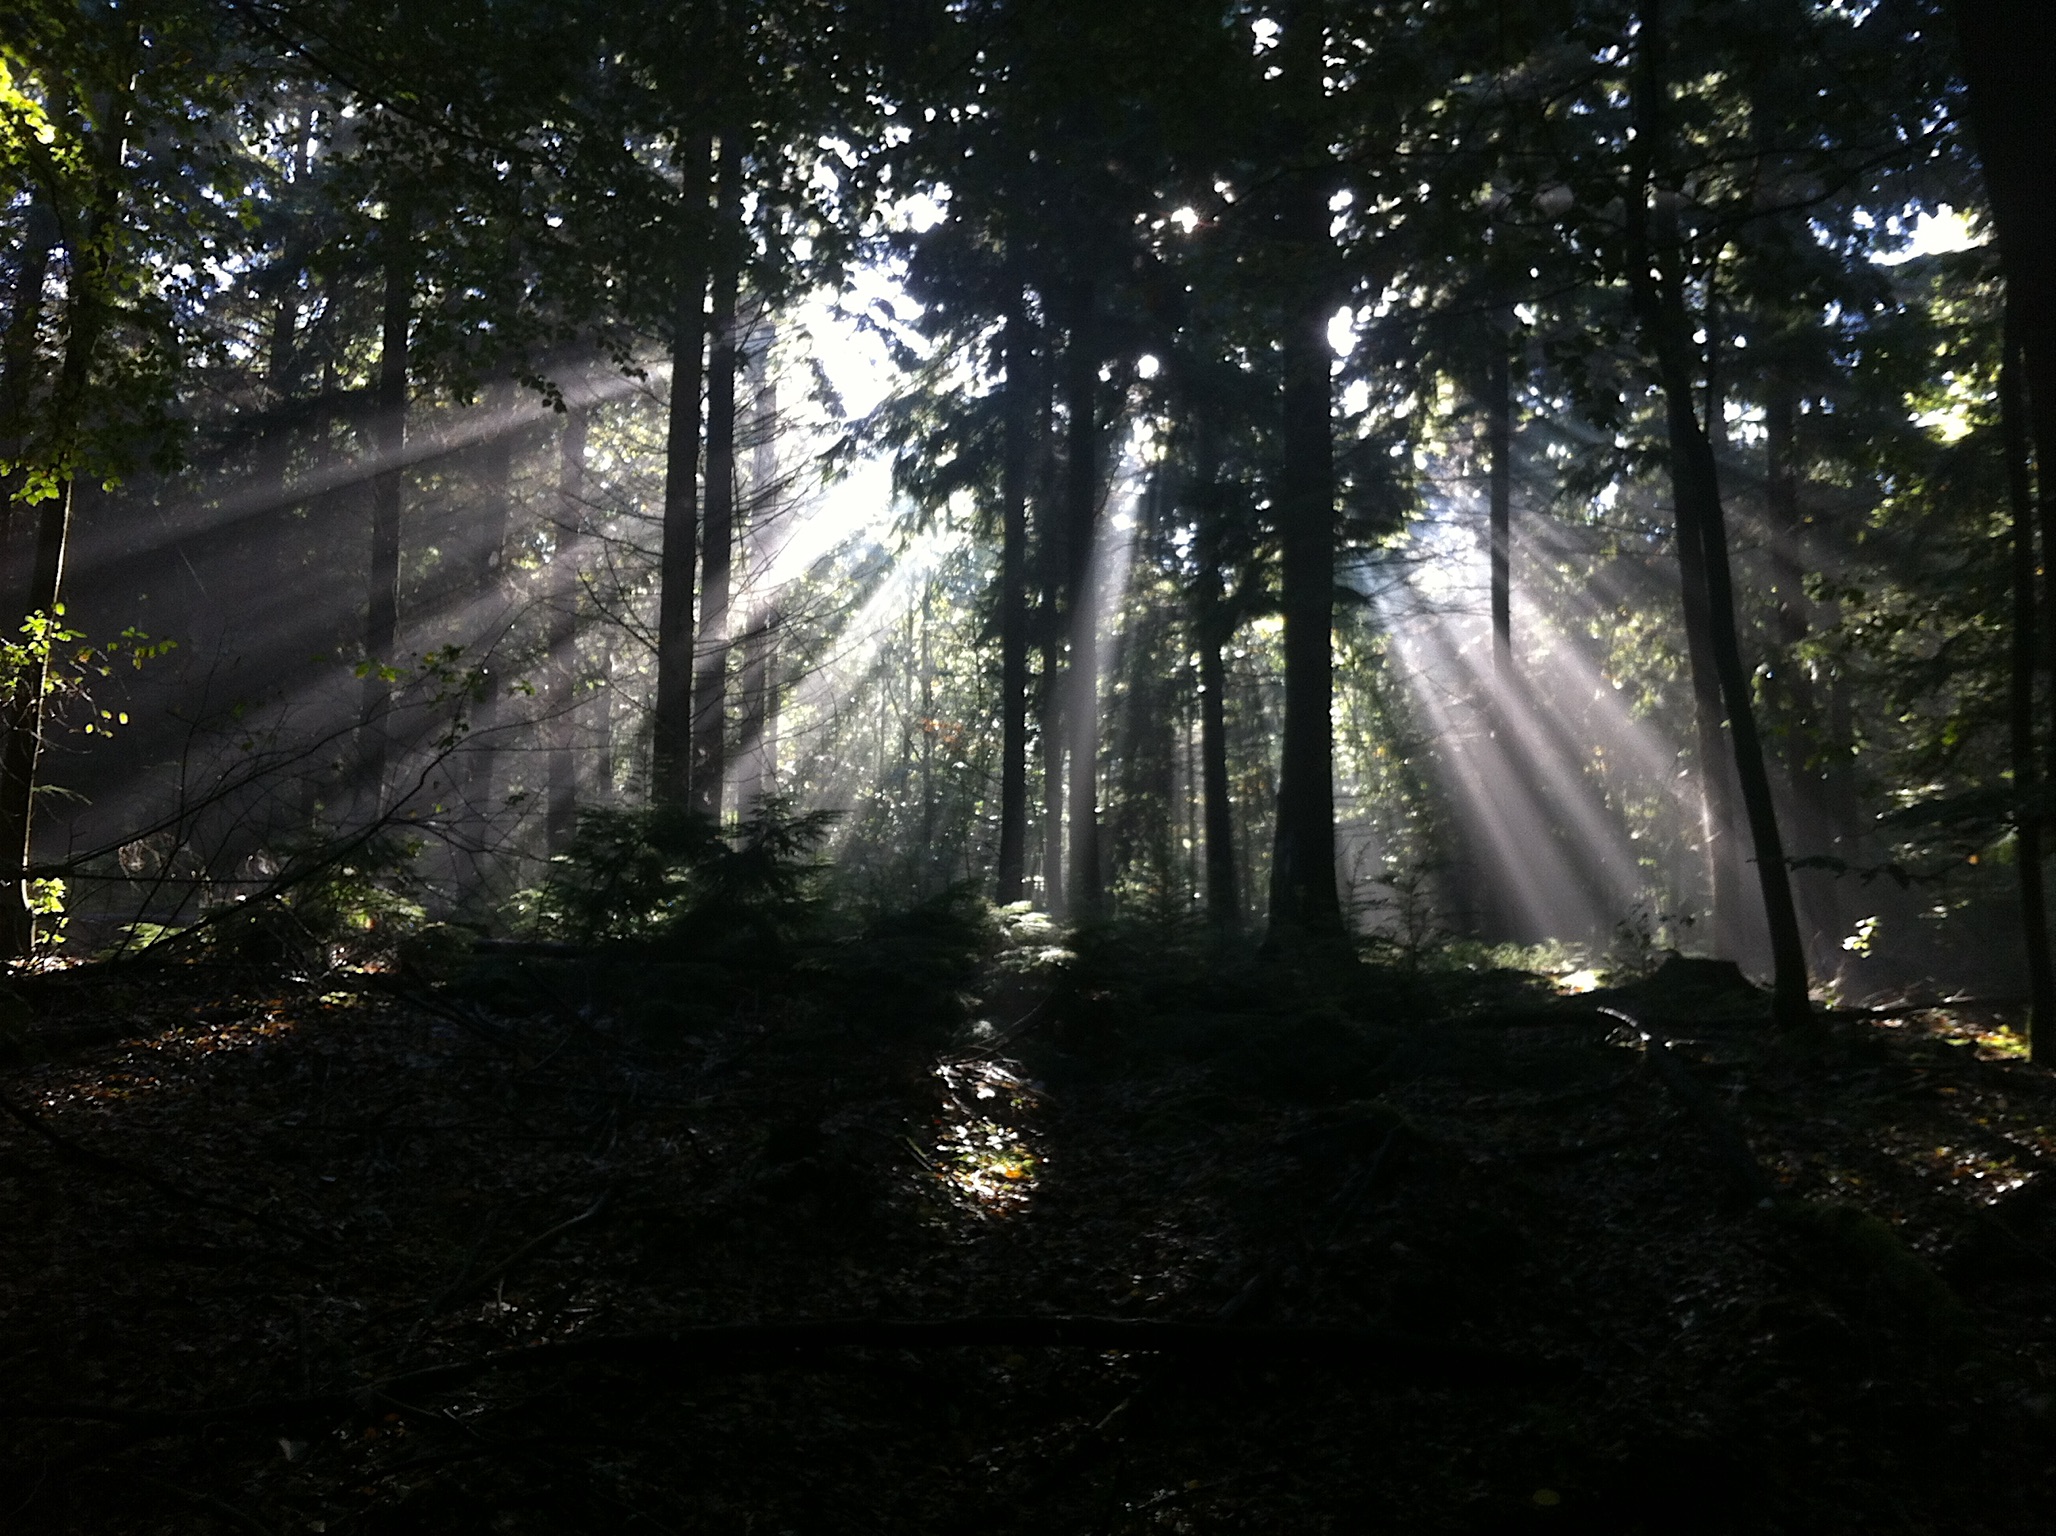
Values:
[(280, 1192)]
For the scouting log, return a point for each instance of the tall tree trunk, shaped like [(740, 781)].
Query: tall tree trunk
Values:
[(1304, 903), (1223, 895), (2029, 817), (1791, 620), (610, 741), (1013, 610), (1053, 561), (924, 715), (2008, 47), (717, 543), (389, 446), (18, 344), (1717, 783), (1499, 444), (756, 742), (1660, 311), (23, 726), (17, 392), (1716, 780), (1081, 519), (1053, 894), (671, 720), (22, 713), (1809, 751), (1212, 624), (560, 697), (488, 587)]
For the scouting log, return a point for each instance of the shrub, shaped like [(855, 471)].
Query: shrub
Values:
[(674, 879)]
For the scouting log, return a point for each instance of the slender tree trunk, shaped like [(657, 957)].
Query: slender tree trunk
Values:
[(488, 577), (1053, 894), (22, 713), (1304, 901), (756, 744), (1013, 611), (672, 720), (1211, 628), (1809, 751), (1081, 518), (925, 717), (1053, 561), (1791, 621), (1499, 443), (23, 725), (389, 446), (270, 529), (1660, 311), (17, 390), (599, 782), (758, 697), (273, 453), (2007, 47), (2029, 815), (1722, 825), (1223, 894), (1716, 782), (717, 543), (1192, 795), (560, 699), (18, 344)]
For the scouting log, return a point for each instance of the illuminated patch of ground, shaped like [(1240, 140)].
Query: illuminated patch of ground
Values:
[(982, 1150), (152, 1056)]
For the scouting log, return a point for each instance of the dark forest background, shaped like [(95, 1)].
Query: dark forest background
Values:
[(1509, 457)]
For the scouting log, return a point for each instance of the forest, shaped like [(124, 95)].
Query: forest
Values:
[(903, 765)]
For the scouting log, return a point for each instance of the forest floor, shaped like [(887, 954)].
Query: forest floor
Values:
[(1463, 1255)]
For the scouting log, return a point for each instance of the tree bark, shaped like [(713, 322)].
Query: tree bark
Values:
[(1810, 746), (1660, 311), (2007, 49), (389, 446), (1013, 610), (23, 726), (1223, 895), (488, 577), (717, 542), (1499, 443), (671, 720), (1081, 518), (1716, 783), (757, 741), (1304, 903), (24, 324), (560, 698), (1719, 822), (1212, 624), (1791, 621), (1054, 562), (17, 391), (2028, 816), (1053, 894), (23, 711)]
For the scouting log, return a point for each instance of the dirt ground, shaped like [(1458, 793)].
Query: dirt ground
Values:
[(1464, 1259)]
